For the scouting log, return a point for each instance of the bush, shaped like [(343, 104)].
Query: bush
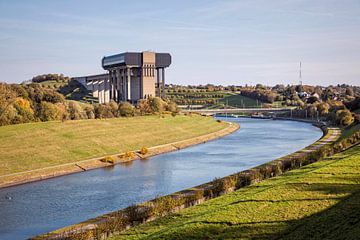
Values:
[(75, 111), (126, 110), (89, 111), (108, 159), (144, 107), (49, 112), (139, 213), (24, 111), (173, 108), (221, 185), (144, 151), (156, 104), (114, 108), (163, 205), (344, 117), (103, 111), (127, 155)]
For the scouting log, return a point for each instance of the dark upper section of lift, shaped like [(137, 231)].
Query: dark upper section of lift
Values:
[(135, 59)]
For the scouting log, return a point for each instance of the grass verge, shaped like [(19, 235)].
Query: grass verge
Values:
[(318, 201)]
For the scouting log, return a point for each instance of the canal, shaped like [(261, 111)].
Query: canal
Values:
[(34, 208)]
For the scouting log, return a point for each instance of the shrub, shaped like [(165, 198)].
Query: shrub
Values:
[(127, 155), (139, 213), (144, 107), (49, 112), (108, 159), (221, 185), (8, 115), (114, 108), (24, 111), (75, 111), (166, 204), (156, 104), (344, 117), (89, 111), (126, 110), (103, 111), (196, 195), (144, 151), (173, 108)]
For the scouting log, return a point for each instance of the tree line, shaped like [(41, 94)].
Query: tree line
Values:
[(32, 103)]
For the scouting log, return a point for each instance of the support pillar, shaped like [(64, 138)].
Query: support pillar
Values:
[(128, 83), (163, 84), (158, 90), (95, 88), (101, 91), (106, 90)]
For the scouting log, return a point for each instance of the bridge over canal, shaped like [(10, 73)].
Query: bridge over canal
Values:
[(237, 110)]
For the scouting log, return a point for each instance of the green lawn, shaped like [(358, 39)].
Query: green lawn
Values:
[(240, 101), (318, 201), (350, 130), (36, 145)]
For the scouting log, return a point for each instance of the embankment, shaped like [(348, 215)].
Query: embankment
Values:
[(108, 224), (99, 162)]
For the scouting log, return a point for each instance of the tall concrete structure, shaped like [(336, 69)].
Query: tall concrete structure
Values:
[(134, 76)]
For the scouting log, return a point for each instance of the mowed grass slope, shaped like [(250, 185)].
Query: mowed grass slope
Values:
[(240, 101), (318, 201), (36, 145)]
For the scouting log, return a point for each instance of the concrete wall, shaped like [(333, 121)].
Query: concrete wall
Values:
[(148, 75)]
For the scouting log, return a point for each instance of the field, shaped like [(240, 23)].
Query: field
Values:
[(240, 101), (318, 201), (216, 99), (37, 145)]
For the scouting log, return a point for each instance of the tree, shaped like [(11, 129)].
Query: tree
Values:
[(344, 117), (7, 97), (323, 108), (24, 111)]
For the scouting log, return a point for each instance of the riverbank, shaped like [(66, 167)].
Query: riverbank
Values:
[(317, 201), (104, 224), (158, 135)]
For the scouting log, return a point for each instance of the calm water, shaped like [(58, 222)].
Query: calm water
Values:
[(39, 207)]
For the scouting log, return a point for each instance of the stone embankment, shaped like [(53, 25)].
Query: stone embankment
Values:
[(105, 225), (85, 165)]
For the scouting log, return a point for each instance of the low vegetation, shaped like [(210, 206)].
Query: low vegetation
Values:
[(33, 103), (318, 201), (36, 145)]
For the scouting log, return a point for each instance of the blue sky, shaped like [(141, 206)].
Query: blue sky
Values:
[(220, 42)]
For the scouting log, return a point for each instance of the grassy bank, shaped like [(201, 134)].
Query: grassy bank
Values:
[(37, 145), (319, 201)]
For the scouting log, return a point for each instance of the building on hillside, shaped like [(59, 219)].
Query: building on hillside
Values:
[(131, 76)]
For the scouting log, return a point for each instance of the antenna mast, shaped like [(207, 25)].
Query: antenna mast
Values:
[(300, 74)]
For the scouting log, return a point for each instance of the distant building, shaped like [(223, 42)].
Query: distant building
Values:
[(132, 76)]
